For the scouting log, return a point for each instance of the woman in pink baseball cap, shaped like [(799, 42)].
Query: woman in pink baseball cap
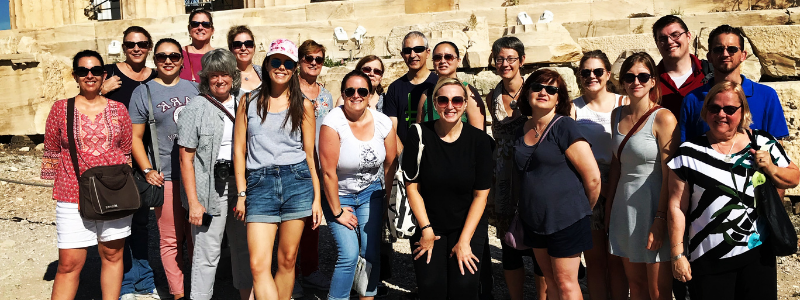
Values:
[(276, 176)]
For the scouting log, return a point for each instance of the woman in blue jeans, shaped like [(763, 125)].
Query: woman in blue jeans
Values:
[(354, 181)]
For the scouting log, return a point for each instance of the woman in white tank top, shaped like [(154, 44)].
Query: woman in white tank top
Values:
[(593, 112)]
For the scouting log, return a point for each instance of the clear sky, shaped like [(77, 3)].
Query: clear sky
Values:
[(4, 24)]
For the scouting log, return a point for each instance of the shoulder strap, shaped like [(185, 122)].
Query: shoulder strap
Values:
[(73, 152), (191, 67), (634, 128), (219, 106), (419, 152), (544, 134), (151, 121), (619, 101), (430, 104), (752, 135)]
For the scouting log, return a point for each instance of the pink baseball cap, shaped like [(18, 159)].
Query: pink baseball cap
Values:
[(283, 46)]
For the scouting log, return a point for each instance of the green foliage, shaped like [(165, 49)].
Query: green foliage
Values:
[(676, 12), (331, 63)]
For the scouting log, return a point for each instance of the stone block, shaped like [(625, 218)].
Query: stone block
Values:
[(546, 43), (750, 68), (789, 94), (485, 81), (476, 59), (777, 48), (321, 11), (440, 31), (381, 8), (613, 46), (416, 7)]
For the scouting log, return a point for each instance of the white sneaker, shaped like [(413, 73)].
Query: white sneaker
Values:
[(128, 297), (317, 280), (297, 291), (152, 294)]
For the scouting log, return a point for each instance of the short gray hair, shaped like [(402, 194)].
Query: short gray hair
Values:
[(219, 60), (415, 34)]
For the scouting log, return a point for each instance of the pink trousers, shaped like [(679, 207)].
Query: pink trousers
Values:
[(174, 230)]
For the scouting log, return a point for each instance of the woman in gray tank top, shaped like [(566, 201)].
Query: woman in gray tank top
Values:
[(638, 194), (275, 171)]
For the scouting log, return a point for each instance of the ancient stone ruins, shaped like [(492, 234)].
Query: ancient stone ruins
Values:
[(35, 54)]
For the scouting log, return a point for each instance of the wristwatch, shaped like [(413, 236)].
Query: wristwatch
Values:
[(147, 170), (241, 194)]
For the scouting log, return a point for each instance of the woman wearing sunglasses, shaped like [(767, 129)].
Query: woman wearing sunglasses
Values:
[(103, 139), (592, 111), (243, 45), (558, 181), (357, 146), (205, 128), (372, 66), (644, 135), (447, 188), (724, 256), (201, 28), (276, 177), (445, 61), (167, 94)]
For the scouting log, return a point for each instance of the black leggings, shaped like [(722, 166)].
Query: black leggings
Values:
[(442, 279), (756, 280)]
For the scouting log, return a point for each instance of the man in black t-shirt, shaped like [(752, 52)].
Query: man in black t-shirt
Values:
[(402, 96)]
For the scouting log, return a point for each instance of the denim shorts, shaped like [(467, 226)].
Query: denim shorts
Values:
[(279, 193)]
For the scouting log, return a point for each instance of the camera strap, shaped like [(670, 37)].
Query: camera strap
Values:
[(219, 105)]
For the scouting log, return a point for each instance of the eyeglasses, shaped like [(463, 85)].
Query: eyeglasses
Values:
[(417, 49), (443, 101), (141, 44), (350, 92), (631, 78), (288, 64), (239, 44), (510, 60), (721, 49), (309, 59), (376, 71), (729, 110), (585, 73), (205, 24), (447, 57), (83, 71), (161, 57), (673, 36), (537, 87)]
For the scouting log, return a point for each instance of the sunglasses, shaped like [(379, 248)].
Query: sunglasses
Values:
[(729, 110), (585, 73), (537, 87), (350, 92), (318, 59), (205, 24), (161, 57), (457, 101), (631, 78), (721, 49), (288, 64), (367, 70), (239, 44), (447, 57), (417, 49), (83, 71), (131, 45)]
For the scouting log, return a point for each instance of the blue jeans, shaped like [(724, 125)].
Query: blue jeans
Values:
[(368, 208), (279, 193), (138, 276)]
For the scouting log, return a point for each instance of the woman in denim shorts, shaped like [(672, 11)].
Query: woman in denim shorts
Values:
[(357, 146), (274, 144)]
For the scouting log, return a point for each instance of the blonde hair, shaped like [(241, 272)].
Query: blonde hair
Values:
[(733, 87), (449, 81)]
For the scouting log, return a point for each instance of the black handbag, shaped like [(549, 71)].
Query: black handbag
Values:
[(151, 195), (104, 192), (782, 238)]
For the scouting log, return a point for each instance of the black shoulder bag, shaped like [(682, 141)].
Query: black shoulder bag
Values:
[(104, 192), (151, 195), (782, 238)]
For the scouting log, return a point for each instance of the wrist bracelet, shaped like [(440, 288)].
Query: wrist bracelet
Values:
[(660, 217), (340, 214), (677, 257), (424, 227), (678, 244)]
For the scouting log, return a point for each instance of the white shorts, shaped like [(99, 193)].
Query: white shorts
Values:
[(75, 232)]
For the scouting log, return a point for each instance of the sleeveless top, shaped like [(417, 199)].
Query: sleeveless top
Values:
[(596, 128), (272, 143), (637, 195), (503, 131)]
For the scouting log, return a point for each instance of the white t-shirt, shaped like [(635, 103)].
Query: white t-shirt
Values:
[(227, 133), (680, 79), (596, 128), (360, 162)]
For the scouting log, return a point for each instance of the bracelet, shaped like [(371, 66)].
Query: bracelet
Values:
[(340, 214), (677, 257), (660, 217), (678, 244), (424, 227)]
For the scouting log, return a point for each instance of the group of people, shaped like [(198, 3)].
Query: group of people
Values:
[(650, 184)]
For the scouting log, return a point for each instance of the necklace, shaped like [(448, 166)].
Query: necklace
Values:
[(728, 156), (513, 103), (536, 131), (248, 78)]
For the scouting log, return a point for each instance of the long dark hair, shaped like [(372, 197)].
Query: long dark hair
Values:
[(296, 108), (545, 76)]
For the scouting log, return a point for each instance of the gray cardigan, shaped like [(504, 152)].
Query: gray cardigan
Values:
[(200, 127)]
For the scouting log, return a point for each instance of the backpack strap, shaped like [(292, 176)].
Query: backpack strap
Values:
[(419, 152)]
